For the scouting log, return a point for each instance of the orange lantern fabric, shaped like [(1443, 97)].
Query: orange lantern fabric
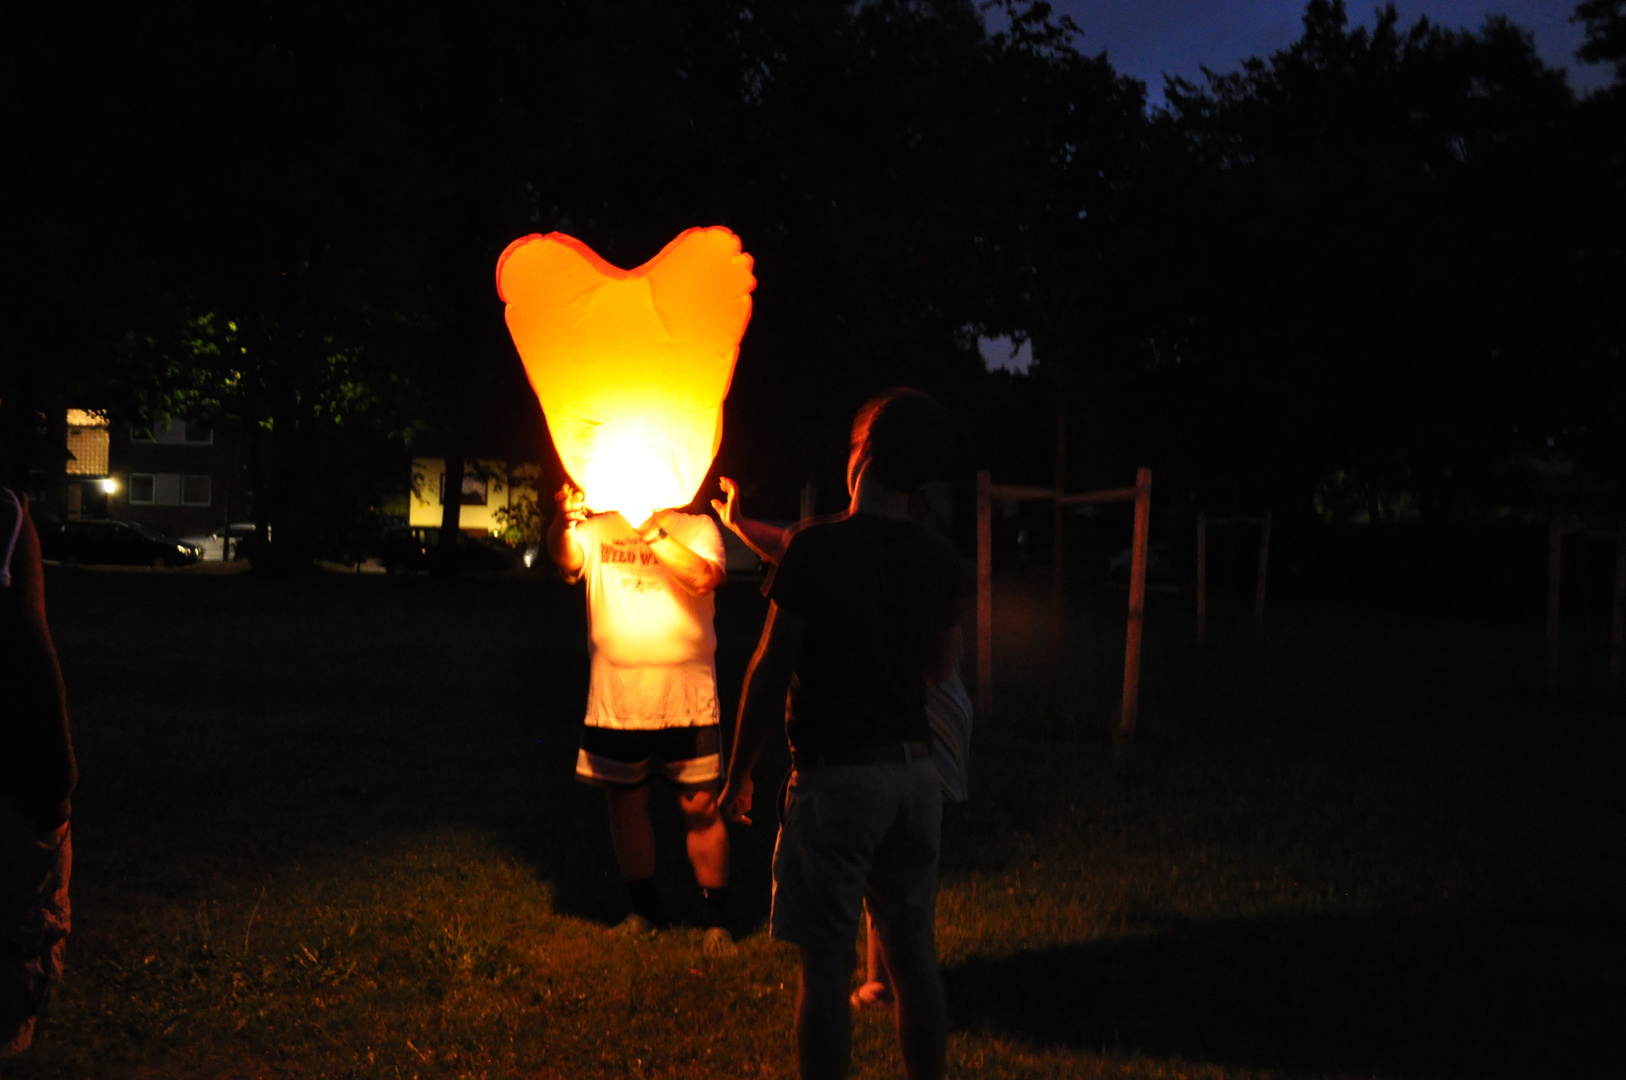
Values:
[(631, 366)]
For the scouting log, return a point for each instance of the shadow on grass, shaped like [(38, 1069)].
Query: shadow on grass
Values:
[(1469, 994)]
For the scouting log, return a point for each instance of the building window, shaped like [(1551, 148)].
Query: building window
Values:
[(195, 491), (141, 489), (88, 442)]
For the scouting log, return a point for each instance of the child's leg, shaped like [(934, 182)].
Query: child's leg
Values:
[(876, 993)]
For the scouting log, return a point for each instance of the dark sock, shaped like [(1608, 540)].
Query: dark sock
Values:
[(646, 899), (714, 907)]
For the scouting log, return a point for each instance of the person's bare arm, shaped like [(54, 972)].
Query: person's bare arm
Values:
[(694, 573), (762, 538), (563, 547), (762, 705)]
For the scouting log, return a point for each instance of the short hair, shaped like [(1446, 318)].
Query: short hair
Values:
[(907, 437)]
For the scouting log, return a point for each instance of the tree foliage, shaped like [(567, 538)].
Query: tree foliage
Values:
[(1376, 270)]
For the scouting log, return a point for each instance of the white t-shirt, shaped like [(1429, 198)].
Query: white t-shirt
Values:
[(652, 645)]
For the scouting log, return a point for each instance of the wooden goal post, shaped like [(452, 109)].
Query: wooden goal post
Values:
[(988, 491)]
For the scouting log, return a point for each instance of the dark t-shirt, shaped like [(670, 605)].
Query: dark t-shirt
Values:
[(871, 591)]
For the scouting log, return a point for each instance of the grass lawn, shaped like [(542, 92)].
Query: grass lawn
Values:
[(327, 828)]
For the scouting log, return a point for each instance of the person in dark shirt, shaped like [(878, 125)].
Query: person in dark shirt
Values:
[(948, 708), (37, 777), (863, 615)]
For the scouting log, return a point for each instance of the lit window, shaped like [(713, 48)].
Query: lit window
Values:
[(87, 449)]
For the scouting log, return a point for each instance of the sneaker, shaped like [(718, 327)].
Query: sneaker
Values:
[(717, 942), (872, 995), (633, 926)]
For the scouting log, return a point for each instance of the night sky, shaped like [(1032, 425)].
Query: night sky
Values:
[(1151, 38), (1146, 38)]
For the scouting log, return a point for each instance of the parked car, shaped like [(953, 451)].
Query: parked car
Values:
[(108, 541), (224, 543), (414, 547)]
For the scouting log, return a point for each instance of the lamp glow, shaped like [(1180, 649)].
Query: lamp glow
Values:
[(630, 366), (110, 485)]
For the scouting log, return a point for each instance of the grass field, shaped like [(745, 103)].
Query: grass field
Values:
[(327, 828)]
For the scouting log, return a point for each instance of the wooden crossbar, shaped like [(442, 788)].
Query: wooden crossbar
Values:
[(1018, 492)]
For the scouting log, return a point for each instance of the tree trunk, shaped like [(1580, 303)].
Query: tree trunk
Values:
[(1053, 709), (258, 491), (451, 508), (284, 551)]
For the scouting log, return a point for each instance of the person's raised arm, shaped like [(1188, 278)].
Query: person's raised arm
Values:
[(762, 538), (563, 547), (762, 705), (694, 573)]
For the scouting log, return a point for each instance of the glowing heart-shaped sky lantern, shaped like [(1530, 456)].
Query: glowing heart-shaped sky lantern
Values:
[(631, 366)]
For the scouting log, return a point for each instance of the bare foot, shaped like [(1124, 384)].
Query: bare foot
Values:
[(717, 942), (872, 995)]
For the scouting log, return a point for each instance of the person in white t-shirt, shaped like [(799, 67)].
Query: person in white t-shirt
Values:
[(652, 690)]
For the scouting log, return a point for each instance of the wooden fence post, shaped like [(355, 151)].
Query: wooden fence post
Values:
[(1617, 619), (1137, 600), (1259, 589), (985, 598), (1555, 552), (1202, 577)]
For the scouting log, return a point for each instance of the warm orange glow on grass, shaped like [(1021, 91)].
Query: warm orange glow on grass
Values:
[(631, 366)]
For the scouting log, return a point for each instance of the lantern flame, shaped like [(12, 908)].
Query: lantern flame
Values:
[(627, 474), (630, 366)]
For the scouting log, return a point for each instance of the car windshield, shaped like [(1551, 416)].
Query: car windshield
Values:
[(151, 533)]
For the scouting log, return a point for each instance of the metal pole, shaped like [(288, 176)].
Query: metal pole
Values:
[(1259, 590), (1202, 577), (1617, 621), (1555, 550), (985, 598), (1137, 600)]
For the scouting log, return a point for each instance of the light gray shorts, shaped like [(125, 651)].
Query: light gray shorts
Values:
[(857, 834)]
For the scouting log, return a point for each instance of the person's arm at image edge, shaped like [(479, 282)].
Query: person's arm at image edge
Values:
[(762, 705)]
